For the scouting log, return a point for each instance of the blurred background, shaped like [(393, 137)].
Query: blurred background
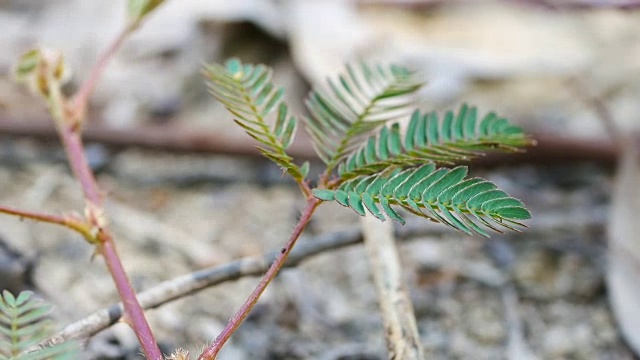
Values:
[(186, 191)]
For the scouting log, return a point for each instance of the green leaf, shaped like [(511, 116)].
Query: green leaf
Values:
[(341, 197), (446, 197), (27, 64), (304, 169), (370, 203), (450, 179), (355, 202), (513, 212), (413, 124), (476, 201), (501, 203), (360, 101), (404, 189), (471, 190), (393, 215), (457, 137), (138, 9), (440, 194), (395, 144), (24, 322), (418, 189), (323, 194), (248, 93)]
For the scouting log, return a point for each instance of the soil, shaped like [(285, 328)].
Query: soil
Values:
[(540, 293)]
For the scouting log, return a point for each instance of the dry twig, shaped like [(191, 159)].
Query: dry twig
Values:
[(191, 283), (550, 150), (400, 328)]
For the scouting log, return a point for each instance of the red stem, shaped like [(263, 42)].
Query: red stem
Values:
[(212, 351), (74, 147), (133, 311), (81, 98), (70, 134), (77, 159), (72, 223)]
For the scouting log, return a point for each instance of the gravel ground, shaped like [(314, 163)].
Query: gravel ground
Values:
[(536, 295), (539, 294)]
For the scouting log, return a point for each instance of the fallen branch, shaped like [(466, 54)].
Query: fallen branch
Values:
[(188, 284), (550, 150), (398, 318), (180, 287)]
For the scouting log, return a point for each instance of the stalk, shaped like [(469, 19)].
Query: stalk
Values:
[(70, 133), (211, 352)]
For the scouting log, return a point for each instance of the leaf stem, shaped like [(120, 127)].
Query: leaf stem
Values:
[(80, 99), (72, 142), (212, 351), (66, 221), (69, 115), (305, 188), (74, 147), (134, 315), (70, 134)]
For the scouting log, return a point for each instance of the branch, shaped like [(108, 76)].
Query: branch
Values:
[(211, 352), (185, 285), (81, 98), (400, 327), (95, 218), (69, 127), (188, 284), (66, 221), (157, 137), (603, 113), (551, 149), (77, 158)]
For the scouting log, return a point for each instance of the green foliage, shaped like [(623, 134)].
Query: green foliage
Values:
[(138, 9), (247, 92), (447, 140), (379, 170), (27, 64), (42, 70), (24, 323), (439, 194), (359, 101)]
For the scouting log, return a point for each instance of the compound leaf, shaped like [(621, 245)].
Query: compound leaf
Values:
[(452, 139), (358, 102), (24, 323), (248, 93), (441, 194)]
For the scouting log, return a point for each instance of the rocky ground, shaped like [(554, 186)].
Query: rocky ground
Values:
[(541, 294)]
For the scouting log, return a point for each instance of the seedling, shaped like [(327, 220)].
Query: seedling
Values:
[(370, 165)]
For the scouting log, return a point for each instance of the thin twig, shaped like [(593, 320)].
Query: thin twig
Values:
[(517, 348), (134, 311), (212, 351), (400, 326), (185, 285), (66, 221), (69, 131), (158, 137), (551, 149), (191, 283), (601, 109), (81, 98), (77, 159), (188, 284)]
